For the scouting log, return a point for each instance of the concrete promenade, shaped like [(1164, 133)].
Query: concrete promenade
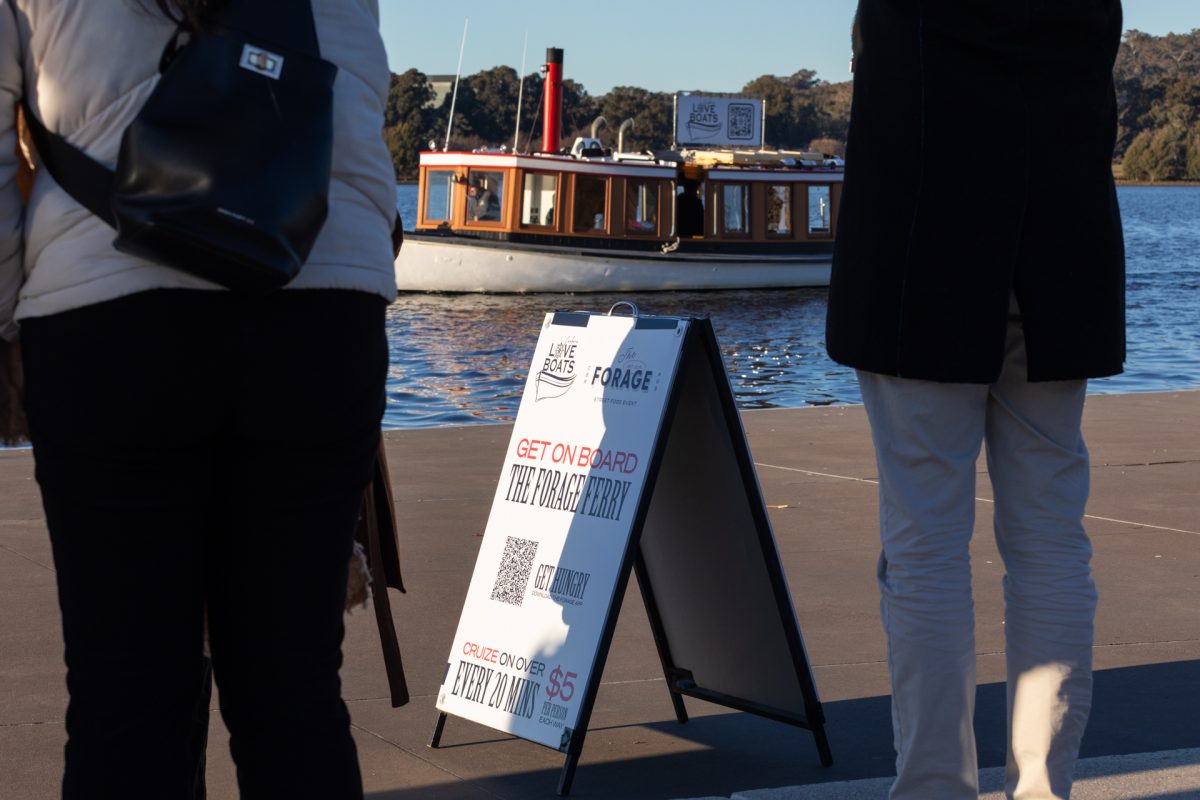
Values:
[(817, 472)]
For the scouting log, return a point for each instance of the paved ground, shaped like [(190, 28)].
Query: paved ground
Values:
[(816, 469)]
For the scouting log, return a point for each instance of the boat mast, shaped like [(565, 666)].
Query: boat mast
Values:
[(454, 97), (520, 94)]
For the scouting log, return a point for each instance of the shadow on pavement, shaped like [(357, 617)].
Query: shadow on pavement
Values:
[(1138, 709)]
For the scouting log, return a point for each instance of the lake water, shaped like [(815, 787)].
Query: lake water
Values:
[(460, 359)]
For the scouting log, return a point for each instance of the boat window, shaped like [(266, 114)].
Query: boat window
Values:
[(641, 207), (485, 195), (820, 213), (537, 199), (735, 208), (591, 200), (779, 210), (439, 190)]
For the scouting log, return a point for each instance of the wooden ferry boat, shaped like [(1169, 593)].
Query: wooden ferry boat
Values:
[(601, 220)]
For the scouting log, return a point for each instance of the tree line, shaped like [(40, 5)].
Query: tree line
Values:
[(1158, 106), (1158, 99), (802, 113)]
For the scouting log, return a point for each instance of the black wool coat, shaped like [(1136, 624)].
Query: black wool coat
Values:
[(978, 165)]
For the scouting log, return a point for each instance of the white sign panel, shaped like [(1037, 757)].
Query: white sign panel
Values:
[(555, 542), (718, 121)]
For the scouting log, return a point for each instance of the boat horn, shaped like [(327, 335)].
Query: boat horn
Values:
[(627, 125)]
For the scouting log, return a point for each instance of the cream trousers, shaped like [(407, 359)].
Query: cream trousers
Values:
[(927, 439)]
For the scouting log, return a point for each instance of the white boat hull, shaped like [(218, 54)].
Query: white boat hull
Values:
[(426, 265)]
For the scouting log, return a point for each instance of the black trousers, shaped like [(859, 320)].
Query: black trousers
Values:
[(202, 451)]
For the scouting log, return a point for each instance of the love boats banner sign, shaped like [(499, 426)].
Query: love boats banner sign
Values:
[(710, 121), (627, 456)]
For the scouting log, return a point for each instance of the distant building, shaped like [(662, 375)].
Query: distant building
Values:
[(442, 85)]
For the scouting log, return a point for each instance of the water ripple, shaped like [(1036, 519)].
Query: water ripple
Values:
[(462, 359)]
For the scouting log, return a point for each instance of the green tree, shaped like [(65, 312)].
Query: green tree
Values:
[(408, 92), (803, 79), (531, 113), (1135, 166), (1153, 74), (406, 120), (832, 101), (491, 109), (780, 101), (1157, 80), (652, 114), (1193, 154), (579, 110), (1158, 155), (463, 135), (1168, 154), (799, 109)]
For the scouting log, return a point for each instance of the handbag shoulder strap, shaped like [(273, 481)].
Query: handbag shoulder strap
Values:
[(86, 180)]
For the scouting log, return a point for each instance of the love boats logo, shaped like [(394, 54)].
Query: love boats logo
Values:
[(557, 374)]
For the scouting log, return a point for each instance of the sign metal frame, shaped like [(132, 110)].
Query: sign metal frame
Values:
[(699, 358)]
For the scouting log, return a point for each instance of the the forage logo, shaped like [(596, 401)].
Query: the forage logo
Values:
[(557, 374), (627, 374)]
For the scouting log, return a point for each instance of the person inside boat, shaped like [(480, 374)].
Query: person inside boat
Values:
[(483, 204), (689, 209)]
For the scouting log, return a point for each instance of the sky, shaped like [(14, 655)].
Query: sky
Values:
[(661, 46)]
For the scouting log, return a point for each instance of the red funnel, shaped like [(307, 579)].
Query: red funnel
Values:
[(552, 124)]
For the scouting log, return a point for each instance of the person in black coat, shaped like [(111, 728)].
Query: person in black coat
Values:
[(979, 166), (978, 281)]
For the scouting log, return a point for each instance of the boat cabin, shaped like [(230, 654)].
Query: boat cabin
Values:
[(623, 200)]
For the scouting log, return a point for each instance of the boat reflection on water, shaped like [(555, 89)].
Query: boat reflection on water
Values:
[(462, 359)]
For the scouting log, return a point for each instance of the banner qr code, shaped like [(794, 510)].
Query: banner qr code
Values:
[(741, 121), (515, 567)]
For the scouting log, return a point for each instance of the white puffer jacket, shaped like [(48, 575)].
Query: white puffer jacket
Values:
[(87, 66)]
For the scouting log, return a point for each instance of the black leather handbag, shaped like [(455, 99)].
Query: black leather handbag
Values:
[(224, 173)]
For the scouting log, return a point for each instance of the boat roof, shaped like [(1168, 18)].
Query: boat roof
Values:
[(782, 175), (546, 161), (731, 165)]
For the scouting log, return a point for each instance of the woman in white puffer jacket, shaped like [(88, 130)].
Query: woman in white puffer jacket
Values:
[(196, 448)]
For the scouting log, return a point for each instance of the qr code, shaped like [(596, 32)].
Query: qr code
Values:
[(741, 121), (515, 566)]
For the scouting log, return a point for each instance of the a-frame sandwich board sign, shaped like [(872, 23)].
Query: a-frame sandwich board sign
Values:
[(627, 454)]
